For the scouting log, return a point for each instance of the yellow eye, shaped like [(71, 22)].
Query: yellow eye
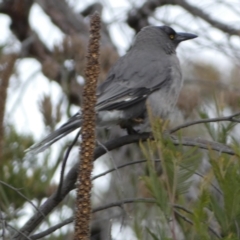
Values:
[(171, 36)]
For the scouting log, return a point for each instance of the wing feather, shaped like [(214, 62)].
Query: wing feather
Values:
[(128, 84)]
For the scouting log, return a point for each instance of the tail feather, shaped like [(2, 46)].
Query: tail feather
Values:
[(72, 124)]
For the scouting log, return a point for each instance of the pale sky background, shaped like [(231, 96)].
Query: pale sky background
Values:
[(24, 111), (122, 37)]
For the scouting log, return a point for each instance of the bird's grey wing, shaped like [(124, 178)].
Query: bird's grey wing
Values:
[(128, 83)]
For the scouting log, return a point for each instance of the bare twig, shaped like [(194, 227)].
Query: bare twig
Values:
[(138, 17), (183, 217), (195, 11), (65, 162), (182, 208), (63, 16), (203, 144), (52, 229), (3, 225), (23, 196), (190, 222), (119, 167), (70, 220), (116, 169), (124, 201), (230, 118), (20, 233), (144, 161)]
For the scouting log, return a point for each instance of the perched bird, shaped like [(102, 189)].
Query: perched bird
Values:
[(149, 74)]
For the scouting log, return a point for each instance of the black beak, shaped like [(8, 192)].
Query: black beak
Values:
[(184, 36)]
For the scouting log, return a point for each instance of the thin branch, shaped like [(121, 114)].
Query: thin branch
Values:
[(70, 22), (110, 205), (182, 208), (183, 217), (215, 187), (230, 118), (23, 196), (138, 17), (143, 161), (203, 144), (124, 201), (119, 167), (3, 225), (52, 229), (63, 16), (190, 222), (122, 193), (65, 162), (20, 233), (197, 12)]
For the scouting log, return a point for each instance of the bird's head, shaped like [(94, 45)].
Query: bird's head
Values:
[(163, 37)]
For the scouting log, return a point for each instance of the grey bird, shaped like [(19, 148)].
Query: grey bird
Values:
[(149, 74)]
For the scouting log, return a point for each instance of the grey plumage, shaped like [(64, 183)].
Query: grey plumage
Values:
[(149, 72)]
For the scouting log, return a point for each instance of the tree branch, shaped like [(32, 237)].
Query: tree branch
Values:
[(138, 17), (190, 222), (70, 179), (69, 183), (23, 196), (197, 12), (76, 29), (110, 205), (119, 167), (52, 229), (63, 16), (230, 118), (119, 204)]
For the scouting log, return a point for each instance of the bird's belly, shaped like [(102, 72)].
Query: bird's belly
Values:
[(109, 118), (163, 101)]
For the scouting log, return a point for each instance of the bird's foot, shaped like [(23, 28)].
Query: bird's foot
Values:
[(131, 130), (137, 120)]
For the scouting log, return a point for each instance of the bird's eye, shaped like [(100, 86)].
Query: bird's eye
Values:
[(171, 36)]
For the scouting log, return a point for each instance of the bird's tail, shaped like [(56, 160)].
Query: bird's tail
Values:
[(72, 124)]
